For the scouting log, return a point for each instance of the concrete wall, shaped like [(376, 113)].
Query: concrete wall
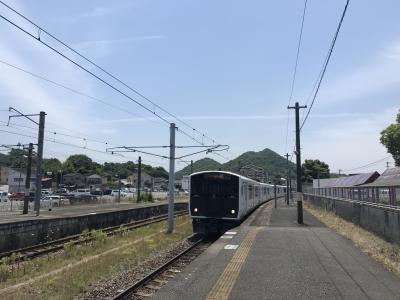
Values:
[(383, 222), (27, 233)]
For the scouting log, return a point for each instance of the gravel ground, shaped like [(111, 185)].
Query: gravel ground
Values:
[(109, 288)]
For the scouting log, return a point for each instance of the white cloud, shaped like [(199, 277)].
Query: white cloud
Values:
[(349, 144)]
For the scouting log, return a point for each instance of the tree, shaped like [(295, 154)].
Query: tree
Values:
[(313, 169), (52, 165), (79, 163), (390, 138)]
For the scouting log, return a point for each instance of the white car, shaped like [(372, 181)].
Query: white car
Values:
[(3, 196), (80, 192), (114, 193), (52, 200)]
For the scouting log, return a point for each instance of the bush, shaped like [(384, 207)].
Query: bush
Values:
[(146, 197), (98, 236), (4, 269)]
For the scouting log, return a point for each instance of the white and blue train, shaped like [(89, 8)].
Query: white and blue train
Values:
[(221, 200)]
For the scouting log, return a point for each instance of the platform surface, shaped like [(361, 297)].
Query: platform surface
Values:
[(278, 259), (73, 211)]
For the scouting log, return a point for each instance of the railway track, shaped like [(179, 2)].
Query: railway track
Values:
[(57, 245), (156, 279)]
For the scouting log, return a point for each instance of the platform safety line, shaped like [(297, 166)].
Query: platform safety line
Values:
[(224, 285)]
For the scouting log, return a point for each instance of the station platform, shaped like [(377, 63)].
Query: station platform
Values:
[(73, 211), (270, 256)]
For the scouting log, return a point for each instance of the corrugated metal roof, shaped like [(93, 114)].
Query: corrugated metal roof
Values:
[(348, 181), (391, 177)]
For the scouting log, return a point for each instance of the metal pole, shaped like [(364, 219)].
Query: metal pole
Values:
[(191, 167), (28, 179), (287, 179), (171, 189), (139, 179), (275, 193), (119, 187), (39, 163), (298, 164)]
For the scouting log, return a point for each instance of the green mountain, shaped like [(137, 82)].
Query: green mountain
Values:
[(203, 164), (273, 164)]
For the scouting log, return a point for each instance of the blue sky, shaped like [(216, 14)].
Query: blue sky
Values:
[(225, 67)]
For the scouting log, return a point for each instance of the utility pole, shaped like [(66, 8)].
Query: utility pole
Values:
[(297, 108), (39, 162), (287, 179), (28, 179), (191, 167), (275, 193), (171, 189), (139, 178), (119, 187)]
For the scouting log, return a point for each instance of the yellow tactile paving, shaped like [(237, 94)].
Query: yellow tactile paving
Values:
[(223, 286)]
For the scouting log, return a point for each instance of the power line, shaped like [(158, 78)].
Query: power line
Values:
[(367, 165), (295, 70), (75, 91), (325, 65), (42, 30)]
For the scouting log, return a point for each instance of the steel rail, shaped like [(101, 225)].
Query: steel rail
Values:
[(141, 282), (56, 245)]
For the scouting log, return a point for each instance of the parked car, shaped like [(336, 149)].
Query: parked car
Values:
[(52, 200), (115, 193), (17, 196), (80, 192), (3, 196)]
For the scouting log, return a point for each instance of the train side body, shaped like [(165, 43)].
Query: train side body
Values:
[(221, 200)]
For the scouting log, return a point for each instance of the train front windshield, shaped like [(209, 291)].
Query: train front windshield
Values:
[(214, 195)]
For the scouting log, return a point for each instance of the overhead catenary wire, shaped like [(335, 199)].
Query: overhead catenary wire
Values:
[(326, 62), (42, 30), (76, 91), (295, 70)]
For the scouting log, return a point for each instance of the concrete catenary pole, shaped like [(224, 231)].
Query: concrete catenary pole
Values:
[(28, 179), (139, 179), (39, 163), (191, 167), (171, 189), (298, 164)]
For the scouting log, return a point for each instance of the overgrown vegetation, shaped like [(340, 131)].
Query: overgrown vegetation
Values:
[(384, 252), (64, 275), (146, 197)]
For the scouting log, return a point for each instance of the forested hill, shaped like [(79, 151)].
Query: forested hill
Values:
[(270, 161)]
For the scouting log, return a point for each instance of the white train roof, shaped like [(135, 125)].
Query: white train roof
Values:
[(233, 174)]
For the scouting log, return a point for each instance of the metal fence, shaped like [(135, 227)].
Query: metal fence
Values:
[(388, 195)]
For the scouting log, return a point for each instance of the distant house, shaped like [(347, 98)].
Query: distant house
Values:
[(74, 179), (95, 181), (159, 183), (4, 171), (346, 181), (145, 179), (16, 181), (185, 183)]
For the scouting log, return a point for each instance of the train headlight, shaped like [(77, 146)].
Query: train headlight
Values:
[(233, 211), (195, 209)]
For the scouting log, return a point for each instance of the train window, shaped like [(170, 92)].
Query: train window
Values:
[(251, 191)]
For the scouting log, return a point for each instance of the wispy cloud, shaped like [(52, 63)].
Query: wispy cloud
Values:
[(109, 42), (381, 73)]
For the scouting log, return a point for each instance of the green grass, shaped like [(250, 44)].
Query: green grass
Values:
[(82, 265)]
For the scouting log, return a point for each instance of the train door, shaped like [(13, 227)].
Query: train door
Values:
[(244, 197)]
